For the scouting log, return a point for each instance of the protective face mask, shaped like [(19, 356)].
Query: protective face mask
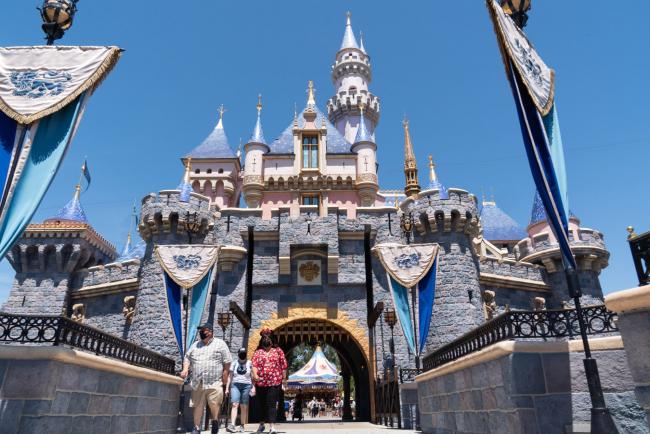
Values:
[(203, 334)]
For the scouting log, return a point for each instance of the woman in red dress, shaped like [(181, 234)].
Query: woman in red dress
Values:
[(269, 371)]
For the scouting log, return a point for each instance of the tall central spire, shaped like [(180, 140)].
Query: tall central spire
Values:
[(349, 41), (410, 164), (311, 94)]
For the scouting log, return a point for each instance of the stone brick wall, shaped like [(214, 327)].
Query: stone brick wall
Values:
[(105, 312), (44, 294), (526, 388), (41, 395)]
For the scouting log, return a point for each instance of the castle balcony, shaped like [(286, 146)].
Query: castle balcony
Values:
[(347, 103)]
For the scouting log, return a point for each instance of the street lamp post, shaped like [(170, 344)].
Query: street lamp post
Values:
[(391, 319), (57, 17), (601, 418), (223, 318)]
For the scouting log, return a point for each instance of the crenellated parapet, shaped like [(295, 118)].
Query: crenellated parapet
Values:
[(59, 246), (541, 247), (431, 214), (349, 102), (165, 214)]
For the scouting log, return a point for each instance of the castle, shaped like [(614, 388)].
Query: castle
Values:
[(298, 257)]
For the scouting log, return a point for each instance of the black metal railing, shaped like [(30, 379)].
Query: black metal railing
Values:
[(640, 246), (407, 375), (387, 405), (540, 325), (60, 330)]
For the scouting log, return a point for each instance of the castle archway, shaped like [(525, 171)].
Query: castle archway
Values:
[(352, 354)]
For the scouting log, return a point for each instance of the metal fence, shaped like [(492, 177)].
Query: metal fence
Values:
[(538, 325), (60, 330)]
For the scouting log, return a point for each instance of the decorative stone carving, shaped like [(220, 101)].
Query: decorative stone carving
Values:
[(489, 304), (78, 313), (309, 273), (129, 308), (539, 303)]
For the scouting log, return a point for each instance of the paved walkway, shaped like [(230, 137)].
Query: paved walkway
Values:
[(339, 427)]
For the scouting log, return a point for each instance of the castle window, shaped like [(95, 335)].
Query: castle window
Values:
[(310, 152), (310, 199), (220, 171), (209, 171)]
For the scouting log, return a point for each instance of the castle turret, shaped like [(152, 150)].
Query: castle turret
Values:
[(215, 168), (587, 245), (412, 186), (366, 149), (253, 166), (48, 256), (351, 75)]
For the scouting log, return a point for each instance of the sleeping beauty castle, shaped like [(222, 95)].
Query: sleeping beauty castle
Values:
[(286, 234)]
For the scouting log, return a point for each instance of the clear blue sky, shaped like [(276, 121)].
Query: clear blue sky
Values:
[(438, 62)]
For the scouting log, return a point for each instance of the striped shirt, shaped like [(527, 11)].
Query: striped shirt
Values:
[(206, 363)]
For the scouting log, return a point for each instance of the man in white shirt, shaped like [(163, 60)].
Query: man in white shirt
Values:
[(209, 361)]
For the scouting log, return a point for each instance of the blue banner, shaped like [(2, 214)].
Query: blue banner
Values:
[(551, 184), (174, 297), (401, 302), (48, 147), (426, 295), (199, 296)]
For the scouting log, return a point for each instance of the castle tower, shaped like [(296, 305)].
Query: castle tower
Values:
[(215, 168), (587, 245), (366, 149), (253, 166), (412, 187), (351, 75), (48, 256)]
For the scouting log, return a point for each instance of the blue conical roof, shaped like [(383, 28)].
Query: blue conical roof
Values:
[(72, 211), (538, 213), (363, 135), (258, 133), (349, 41), (214, 146), (499, 226), (131, 251)]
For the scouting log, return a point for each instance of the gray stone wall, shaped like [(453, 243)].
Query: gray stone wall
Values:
[(507, 268), (592, 293), (32, 293), (527, 393), (40, 396), (515, 298), (635, 330), (109, 273), (105, 312)]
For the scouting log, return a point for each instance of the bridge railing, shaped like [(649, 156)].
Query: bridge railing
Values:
[(539, 325), (61, 330)]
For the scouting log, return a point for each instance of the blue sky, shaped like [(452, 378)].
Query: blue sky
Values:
[(436, 62)]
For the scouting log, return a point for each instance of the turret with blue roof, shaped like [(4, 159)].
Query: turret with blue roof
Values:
[(72, 211), (499, 227), (214, 167)]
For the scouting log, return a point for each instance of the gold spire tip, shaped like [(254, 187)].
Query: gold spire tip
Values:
[(259, 103), (311, 99)]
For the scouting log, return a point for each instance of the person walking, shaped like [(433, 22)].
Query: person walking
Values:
[(269, 371), (209, 361), (240, 387)]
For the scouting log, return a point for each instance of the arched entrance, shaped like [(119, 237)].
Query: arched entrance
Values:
[(354, 362)]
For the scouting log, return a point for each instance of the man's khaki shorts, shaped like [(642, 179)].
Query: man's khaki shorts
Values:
[(201, 395)]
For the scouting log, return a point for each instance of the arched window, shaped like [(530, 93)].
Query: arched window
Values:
[(209, 171), (352, 90), (220, 171), (310, 152), (197, 171)]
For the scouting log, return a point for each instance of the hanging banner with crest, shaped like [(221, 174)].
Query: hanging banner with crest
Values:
[(43, 95), (187, 264), (187, 267), (407, 266)]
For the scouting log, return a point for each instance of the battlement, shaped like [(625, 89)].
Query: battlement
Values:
[(165, 213), (459, 213), (346, 103), (352, 61), (588, 246), (111, 273), (59, 246)]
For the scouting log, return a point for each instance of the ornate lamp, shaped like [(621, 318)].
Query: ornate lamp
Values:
[(223, 319), (406, 223), (192, 222), (57, 17), (517, 10), (391, 317)]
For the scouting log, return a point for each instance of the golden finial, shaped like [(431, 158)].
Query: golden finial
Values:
[(362, 106), (188, 168), (311, 99), (630, 231), (412, 187), (128, 237), (259, 103), (222, 110), (432, 170), (348, 14), (77, 191)]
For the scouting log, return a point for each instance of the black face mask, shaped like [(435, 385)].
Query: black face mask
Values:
[(266, 343), (242, 355), (203, 334)]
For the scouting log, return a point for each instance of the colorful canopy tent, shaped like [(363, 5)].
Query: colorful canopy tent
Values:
[(318, 373)]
